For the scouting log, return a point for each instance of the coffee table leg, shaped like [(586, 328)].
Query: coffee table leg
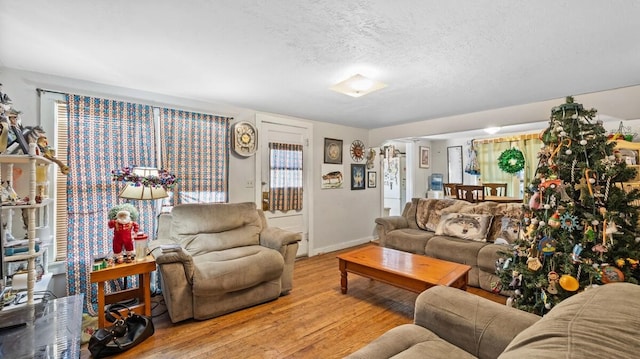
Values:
[(343, 276)]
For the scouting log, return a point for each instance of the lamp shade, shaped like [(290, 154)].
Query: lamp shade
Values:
[(142, 190)]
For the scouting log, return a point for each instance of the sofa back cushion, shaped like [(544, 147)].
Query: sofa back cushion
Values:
[(429, 211), (600, 322), (205, 227)]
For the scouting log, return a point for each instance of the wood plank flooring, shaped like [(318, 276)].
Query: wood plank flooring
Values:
[(314, 321)]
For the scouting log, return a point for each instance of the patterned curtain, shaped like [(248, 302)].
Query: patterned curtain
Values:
[(285, 185), (195, 148), (103, 135)]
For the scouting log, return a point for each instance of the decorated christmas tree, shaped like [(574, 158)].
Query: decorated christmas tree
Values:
[(579, 227)]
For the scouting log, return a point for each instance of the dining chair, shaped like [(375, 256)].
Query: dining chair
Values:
[(450, 189), (470, 193), (495, 189)]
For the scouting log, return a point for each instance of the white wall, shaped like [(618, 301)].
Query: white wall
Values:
[(341, 217)]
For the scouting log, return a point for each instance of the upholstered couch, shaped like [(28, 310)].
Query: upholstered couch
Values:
[(449, 323), (456, 231), (224, 257)]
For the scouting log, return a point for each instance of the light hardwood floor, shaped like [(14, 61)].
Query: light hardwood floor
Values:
[(314, 321)]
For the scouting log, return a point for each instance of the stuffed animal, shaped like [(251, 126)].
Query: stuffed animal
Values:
[(124, 229)]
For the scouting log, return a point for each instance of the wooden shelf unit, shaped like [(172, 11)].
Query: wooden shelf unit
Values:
[(30, 256)]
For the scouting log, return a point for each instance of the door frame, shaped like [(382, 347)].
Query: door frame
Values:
[(308, 167)]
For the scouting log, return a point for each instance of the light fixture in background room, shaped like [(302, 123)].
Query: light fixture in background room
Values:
[(143, 183), (492, 130), (358, 85)]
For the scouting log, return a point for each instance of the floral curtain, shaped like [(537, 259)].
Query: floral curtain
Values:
[(285, 183), (103, 135), (195, 148)]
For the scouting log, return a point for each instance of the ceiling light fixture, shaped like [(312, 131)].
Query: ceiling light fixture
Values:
[(492, 130), (357, 85)]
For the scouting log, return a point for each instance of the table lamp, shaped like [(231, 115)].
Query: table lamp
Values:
[(143, 183)]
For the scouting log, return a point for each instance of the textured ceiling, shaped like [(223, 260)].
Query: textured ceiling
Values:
[(439, 58)]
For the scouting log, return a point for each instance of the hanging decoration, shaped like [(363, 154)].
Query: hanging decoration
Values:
[(473, 167), (511, 160)]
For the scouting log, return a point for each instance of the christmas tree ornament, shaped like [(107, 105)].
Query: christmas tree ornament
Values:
[(554, 221), (547, 246), (575, 253), (583, 142), (569, 222), (611, 274), (534, 264), (568, 283), (553, 278), (589, 234)]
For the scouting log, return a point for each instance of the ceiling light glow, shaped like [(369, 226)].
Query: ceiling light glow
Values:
[(492, 130), (357, 85)]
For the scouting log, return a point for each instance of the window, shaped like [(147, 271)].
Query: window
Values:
[(104, 135), (285, 182)]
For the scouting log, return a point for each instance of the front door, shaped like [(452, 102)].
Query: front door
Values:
[(280, 130)]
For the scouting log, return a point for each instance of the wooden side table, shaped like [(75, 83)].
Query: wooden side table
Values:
[(142, 269)]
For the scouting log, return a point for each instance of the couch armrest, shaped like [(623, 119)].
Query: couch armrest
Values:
[(276, 238), (180, 256), (472, 323), (392, 222)]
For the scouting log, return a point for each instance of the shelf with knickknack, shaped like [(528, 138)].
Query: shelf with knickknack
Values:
[(629, 152), (29, 249)]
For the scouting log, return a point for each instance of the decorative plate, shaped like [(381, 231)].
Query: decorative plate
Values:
[(357, 150)]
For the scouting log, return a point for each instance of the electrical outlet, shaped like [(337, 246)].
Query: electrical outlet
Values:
[(249, 184)]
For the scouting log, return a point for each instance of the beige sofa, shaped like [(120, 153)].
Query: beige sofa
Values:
[(226, 258), (436, 228), (449, 323)]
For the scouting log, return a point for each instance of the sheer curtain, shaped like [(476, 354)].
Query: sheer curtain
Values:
[(530, 148), (103, 135), (488, 154), (490, 150), (285, 184), (195, 147)]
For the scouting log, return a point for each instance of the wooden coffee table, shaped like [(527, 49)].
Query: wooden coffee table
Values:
[(405, 270)]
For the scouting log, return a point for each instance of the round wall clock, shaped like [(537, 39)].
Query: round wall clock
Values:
[(357, 150), (244, 139)]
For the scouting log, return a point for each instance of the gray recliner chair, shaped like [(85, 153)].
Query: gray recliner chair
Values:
[(224, 258)]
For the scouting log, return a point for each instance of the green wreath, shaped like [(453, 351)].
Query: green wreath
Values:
[(511, 160)]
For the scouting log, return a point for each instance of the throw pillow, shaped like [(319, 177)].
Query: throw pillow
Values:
[(465, 226), (509, 230)]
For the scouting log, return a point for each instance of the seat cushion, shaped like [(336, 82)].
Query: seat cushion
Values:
[(409, 341), (408, 240), (235, 269)]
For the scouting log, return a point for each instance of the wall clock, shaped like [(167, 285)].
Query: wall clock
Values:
[(244, 139), (357, 150)]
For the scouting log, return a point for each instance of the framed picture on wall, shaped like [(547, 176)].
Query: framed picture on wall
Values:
[(372, 179), (424, 157), (358, 176), (454, 164), (332, 151)]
